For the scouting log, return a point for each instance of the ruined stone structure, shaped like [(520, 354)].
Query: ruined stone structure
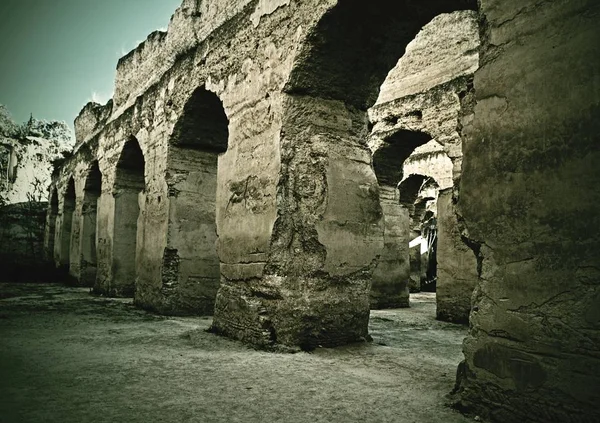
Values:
[(232, 172), (415, 135)]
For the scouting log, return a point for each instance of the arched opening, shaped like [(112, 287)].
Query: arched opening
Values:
[(51, 226), (129, 183), (329, 226), (66, 226), (419, 194), (91, 195), (190, 268), (332, 63), (392, 276)]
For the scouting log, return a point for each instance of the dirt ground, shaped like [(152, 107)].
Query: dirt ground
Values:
[(66, 356)]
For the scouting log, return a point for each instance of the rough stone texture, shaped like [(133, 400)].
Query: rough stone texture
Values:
[(456, 265), (430, 160), (446, 48), (90, 121), (422, 94), (529, 197), (26, 160), (299, 222), (68, 231), (27, 153), (389, 285), (298, 216)]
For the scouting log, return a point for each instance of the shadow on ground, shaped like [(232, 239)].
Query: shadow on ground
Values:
[(66, 356)]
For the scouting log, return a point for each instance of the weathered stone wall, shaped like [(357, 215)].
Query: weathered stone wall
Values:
[(30, 161), (422, 92), (90, 121), (65, 219), (298, 220), (529, 196), (243, 73), (430, 160), (298, 217), (456, 265), (389, 285)]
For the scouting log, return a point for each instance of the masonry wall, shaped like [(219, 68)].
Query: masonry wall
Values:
[(389, 285), (422, 92), (456, 265), (298, 217), (530, 199)]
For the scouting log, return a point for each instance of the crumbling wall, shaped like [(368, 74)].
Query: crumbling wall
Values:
[(26, 174), (190, 26), (77, 168), (27, 152), (389, 284), (430, 160), (456, 265), (90, 121), (422, 92), (529, 197), (247, 76)]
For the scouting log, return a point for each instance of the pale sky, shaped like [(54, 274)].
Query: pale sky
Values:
[(56, 55)]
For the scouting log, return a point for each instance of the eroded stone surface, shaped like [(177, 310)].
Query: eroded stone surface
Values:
[(422, 95), (529, 197), (299, 222), (456, 265)]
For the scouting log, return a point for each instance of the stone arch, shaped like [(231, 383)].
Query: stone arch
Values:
[(129, 184), (332, 63), (389, 158), (410, 187), (392, 275), (51, 226), (417, 191), (66, 227), (329, 226), (91, 196), (190, 265), (203, 125)]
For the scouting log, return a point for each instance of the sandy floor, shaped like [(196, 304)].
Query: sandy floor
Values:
[(68, 357)]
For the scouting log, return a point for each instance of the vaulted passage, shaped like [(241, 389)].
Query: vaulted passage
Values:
[(190, 271), (129, 183), (390, 286), (418, 195), (93, 187), (315, 289), (322, 216), (66, 226)]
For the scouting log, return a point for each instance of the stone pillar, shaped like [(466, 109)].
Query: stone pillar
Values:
[(190, 271), (310, 284), (87, 274), (529, 196), (104, 252), (75, 259), (457, 265), (50, 227), (389, 288), (414, 255), (126, 219)]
